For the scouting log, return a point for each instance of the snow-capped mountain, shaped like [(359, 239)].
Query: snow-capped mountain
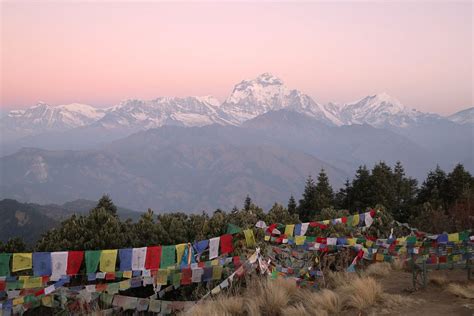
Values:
[(380, 110), (251, 98), (189, 111), (44, 117), (463, 117)]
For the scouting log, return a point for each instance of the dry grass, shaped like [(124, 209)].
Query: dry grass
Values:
[(438, 279), (361, 293), (464, 291), (348, 292), (379, 269), (398, 264)]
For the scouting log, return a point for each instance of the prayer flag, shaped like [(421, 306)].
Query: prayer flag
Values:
[(74, 262), (153, 258), (304, 228), (355, 220), (22, 261), (162, 277), (217, 272), (168, 256), (368, 219), (249, 237), (125, 256), (92, 260), (41, 263), (108, 259), (5, 264), (289, 230), (138, 258), (233, 229), (58, 264), (34, 282), (299, 240), (226, 244), (214, 247), (197, 275), (180, 252), (453, 237)]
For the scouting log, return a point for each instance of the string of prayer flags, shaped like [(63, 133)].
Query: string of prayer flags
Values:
[(108, 259), (153, 258), (249, 237), (138, 258), (22, 261), (42, 263), (289, 230), (74, 262), (214, 247), (226, 244), (168, 256)]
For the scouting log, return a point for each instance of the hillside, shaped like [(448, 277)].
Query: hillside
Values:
[(30, 220)]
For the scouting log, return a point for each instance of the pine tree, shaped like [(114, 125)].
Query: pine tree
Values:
[(458, 184), (324, 192), (405, 195), (292, 205), (382, 182), (432, 189), (248, 203), (106, 203), (361, 194), (307, 205), (341, 199)]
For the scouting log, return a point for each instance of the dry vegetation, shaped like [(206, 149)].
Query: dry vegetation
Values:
[(343, 292)]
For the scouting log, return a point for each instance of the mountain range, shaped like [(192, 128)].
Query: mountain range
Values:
[(197, 153)]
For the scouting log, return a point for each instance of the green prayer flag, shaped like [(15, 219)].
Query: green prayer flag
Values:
[(92, 260), (5, 264), (168, 256), (176, 279), (310, 239), (233, 229), (462, 236)]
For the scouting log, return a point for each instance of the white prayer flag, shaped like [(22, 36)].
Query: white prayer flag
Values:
[(368, 219), (332, 241), (304, 228), (214, 247), (138, 259), (197, 275), (58, 265)]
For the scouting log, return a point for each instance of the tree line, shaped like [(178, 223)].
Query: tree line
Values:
[(443, 202)]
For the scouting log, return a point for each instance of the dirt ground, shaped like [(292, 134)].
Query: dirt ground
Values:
[(435, 300)]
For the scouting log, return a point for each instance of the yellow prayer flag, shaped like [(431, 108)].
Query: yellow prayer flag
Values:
[(47, 301), (249, 237), (299, 240), (289, 230), (369, 243), (327, 222), (215, 262), (351, 241), (379, 257), (127, 274), (267, 238), (179, 252), (18, 300), (217, 272), (23, 277), (162, 277), (22, 261), (355, 220), (32, 283), (124, 285), (453, 237), (107, 260)]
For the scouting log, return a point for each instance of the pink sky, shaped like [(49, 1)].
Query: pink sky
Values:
[(101, 53)]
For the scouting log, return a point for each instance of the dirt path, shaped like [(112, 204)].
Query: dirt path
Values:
[(436, 300)]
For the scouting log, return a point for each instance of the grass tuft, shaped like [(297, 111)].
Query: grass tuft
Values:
[(464, 291)]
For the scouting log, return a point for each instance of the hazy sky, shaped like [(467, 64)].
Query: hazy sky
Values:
[(101, 53)]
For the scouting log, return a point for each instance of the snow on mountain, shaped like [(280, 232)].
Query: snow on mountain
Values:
[(43, 117), (380, 110), (463, 117), (265, 93), (189, 111)]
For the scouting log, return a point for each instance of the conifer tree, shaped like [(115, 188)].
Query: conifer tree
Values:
[(106, 203), (405, 195), (361, 193), (307, 205), (248, 203), (431, 190), (324, 192), (292, 205), (341, 199), (458, 184)]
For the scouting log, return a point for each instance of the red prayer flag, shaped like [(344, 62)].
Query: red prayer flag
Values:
[(226, 244), (74, 262), (40, 292), (110, 276), (344, 220), (186, 275), (2, 285), (236, 260), (153, 258)]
